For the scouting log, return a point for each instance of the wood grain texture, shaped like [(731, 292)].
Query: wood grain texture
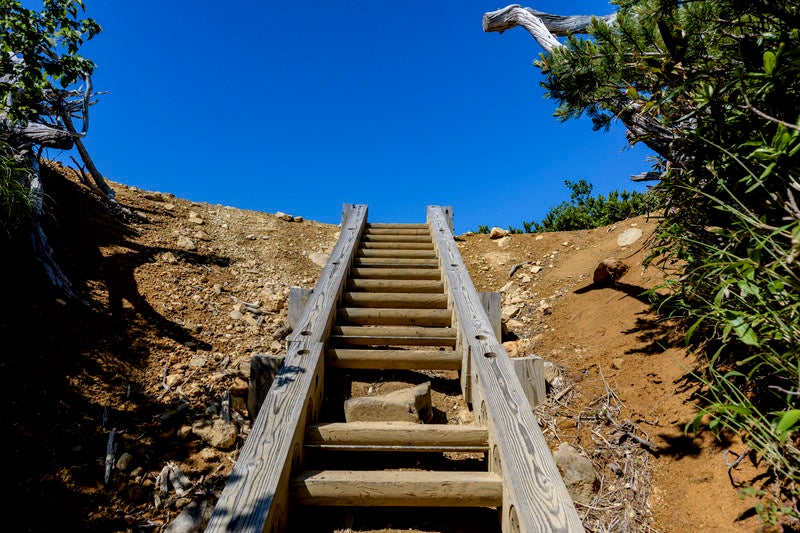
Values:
[(398, 436), (376, 359), (535, 498), (393, 245), (398, 488), (392, 336), (395, 262), (395, 299), (377, 316), (395, 273), (395, 285)]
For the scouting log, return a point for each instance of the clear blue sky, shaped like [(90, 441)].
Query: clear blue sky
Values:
[(303, 106)]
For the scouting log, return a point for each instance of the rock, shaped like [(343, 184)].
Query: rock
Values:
[(497, 233), (272, 301), (545, 307), (185, 243), (609, 271), (578, 473), (535, 269), (617, 363), (236, 315), (124, 462), (197, 361), (216, 433), (173, 379), (192, 518), (319, 259), (169, 257), (194, 218), (201, 235), (298, 219), (405, 405), (629, 236), (509, 312), (512, 348), (283, 216)]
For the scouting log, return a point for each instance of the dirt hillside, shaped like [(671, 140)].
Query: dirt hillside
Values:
[(179, 296)]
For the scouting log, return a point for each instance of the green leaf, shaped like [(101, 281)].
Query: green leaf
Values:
[(770, 60), (786, 423), (743, 329)]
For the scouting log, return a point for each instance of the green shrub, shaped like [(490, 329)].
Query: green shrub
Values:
[(16, 206), (584, 211)]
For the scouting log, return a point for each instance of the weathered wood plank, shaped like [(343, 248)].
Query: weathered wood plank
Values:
[(395, 299), (396, 253), (395, 285), (397, 488), (393, 245), (530, 371), (395, 273), (535, 498), (420, 236), (395, 262), (377, 316), (298, 298), (263, 369), (397, 436), (374, 359), (392, 336)]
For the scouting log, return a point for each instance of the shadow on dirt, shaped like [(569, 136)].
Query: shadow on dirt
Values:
[(60, 360)]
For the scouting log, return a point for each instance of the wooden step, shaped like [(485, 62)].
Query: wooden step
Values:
[(411, 229), (395, 273), (392, 336), (397, 488), (382, 316), (395, 285), (399, 254), (397, 359), (395, 262), (396, 237), (395, 299), (397, 436), (380, 245)]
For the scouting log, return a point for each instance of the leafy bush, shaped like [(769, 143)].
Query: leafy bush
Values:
[(716, 86), (16, 206), (584, 211)]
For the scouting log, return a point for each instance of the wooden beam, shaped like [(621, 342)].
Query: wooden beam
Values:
[(423, 236), (530, 371), (397, 436), (263, 369), (376, 316), (395, 299), (395, 273), (395, 285), (396, 252), (379, 245), (397, 488), (375, 359), (392, 336), (395, 262), (535, 497), (298, 298)]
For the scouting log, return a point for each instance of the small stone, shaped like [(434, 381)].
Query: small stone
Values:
[(124, 462), (535, 269), (512, 348), (201, 235), (169, 257), (283, 216), (497, 233), (617, 363), (172, 379), (216, 433), (236, 315), (578, 473), (545, 307), (629, 236), (168, 206), (251, 237), (509, 311), (185, 243), (197, 361), (609, 271)]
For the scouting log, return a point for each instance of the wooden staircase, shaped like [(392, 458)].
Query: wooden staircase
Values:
[(393, 297)]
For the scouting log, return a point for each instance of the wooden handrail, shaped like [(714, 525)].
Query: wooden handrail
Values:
[(255, 498), (534, 495)]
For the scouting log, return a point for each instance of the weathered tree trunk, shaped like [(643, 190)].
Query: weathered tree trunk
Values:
[(545, 28)]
